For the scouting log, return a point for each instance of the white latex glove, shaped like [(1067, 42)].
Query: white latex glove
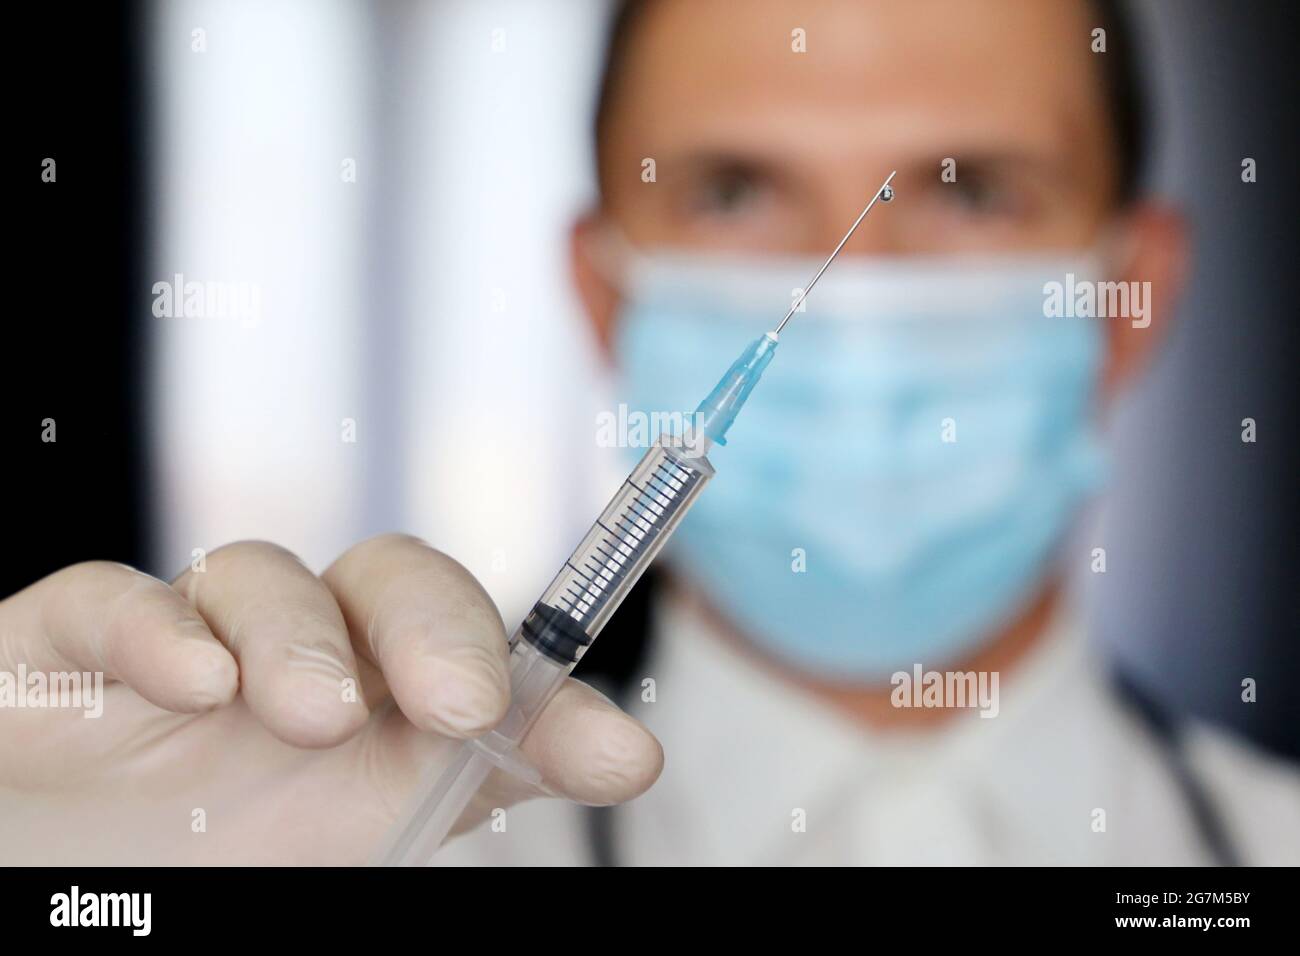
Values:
[(225, 694)]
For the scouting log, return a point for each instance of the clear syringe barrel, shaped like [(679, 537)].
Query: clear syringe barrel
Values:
[(618, 548), (609, 560)]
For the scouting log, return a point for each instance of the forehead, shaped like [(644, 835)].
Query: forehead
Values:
[(898, 78)]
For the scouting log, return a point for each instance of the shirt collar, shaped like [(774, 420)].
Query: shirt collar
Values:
[(745, 750)]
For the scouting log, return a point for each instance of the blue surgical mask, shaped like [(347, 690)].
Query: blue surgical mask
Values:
[(897, 483)]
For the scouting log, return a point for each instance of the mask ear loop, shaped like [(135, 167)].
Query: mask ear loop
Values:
[(612, 255), (1113, 251)]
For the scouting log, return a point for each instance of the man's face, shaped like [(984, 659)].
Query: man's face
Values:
[(759, 149), (762, 149)]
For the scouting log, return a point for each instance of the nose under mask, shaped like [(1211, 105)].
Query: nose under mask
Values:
[(901, 476)]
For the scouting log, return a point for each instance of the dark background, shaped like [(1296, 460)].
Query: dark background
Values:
[(75, 336)]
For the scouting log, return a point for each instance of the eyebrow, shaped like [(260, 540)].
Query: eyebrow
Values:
[(777, 167), (1034, 161), (720, 159)]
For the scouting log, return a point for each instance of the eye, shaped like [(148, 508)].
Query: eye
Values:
[(727, 191), (981, 195)]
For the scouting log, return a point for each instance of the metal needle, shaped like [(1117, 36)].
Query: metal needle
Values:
[(862, 215)]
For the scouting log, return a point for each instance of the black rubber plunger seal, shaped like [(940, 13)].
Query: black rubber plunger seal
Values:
[(554, 633)]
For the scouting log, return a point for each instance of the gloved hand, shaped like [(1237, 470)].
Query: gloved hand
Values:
[(228, 734)]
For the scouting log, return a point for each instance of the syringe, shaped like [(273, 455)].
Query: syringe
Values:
[(580, 600)]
